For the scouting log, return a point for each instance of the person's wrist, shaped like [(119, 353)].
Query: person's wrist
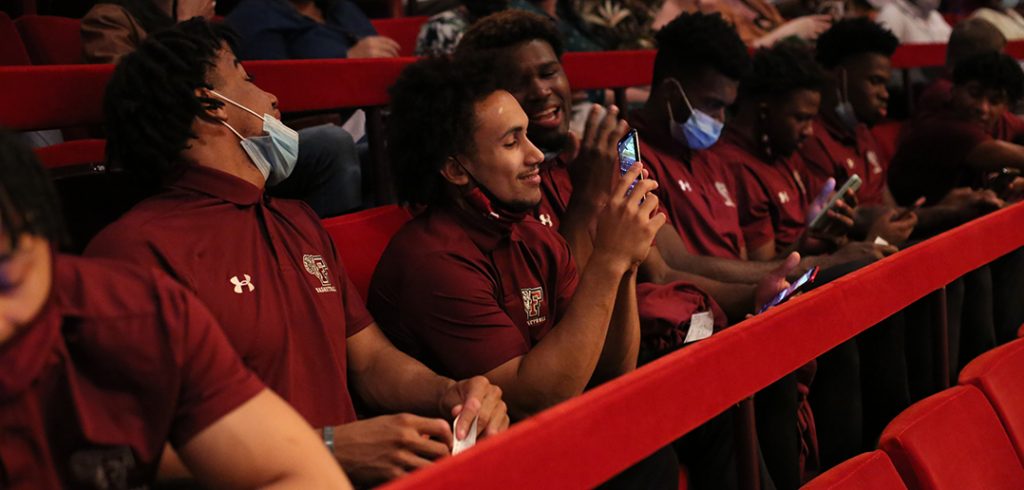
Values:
[(446, 386)]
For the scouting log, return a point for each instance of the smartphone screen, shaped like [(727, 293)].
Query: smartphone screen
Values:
[(629, 153), (793, 287)]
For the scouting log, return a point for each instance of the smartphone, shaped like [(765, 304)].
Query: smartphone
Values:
[(912, 209), (1000, 181), (851, 184), (783, 295), (629, 153)]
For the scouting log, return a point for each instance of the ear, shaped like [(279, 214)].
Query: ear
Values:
[(211, 111), (453, 172)]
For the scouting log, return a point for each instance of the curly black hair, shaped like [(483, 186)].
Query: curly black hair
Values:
[(851, 37), (28, 201), (150, 102), (781, 69), (433, 118), (994, 71), (507, 29), (699, 40)]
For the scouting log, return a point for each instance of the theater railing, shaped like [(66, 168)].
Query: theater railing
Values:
[(584, 441)]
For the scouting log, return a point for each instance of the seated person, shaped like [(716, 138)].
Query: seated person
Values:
[(103, 362), (306, 29), (326, 175), (914, 21), (441, 32), (264, 266), (758, 22), (957, 143), (474, 285), (856, 56)]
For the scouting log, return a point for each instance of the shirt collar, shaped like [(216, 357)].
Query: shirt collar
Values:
[(488, 234), (839, 133), (217, 184), (736, 138)]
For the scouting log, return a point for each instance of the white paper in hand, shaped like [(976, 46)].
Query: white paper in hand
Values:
[(881, 241), (470, 440), (702, 325)]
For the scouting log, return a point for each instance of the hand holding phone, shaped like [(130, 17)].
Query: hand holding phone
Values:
[(783, 295), (851, 184), (629, 153)]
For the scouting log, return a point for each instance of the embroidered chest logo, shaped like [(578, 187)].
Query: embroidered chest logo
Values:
[(316, 266), (533, 300), (545, 219), (242, 283), (783, 197), (684, 185), (724, 191), (876, 168)]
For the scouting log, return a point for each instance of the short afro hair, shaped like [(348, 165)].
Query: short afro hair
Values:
[(28, 201), (699, 40), (150, 101), (782, 69), (508, 29), (852, 37), (433, 117), (994, 71)]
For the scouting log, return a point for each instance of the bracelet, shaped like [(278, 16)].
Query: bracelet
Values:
[(328, 433)]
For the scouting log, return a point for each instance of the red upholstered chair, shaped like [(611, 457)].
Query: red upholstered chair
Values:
[(999, 373), (953, 440), (361, 238), (88, 152), (12, 50), (403, 30), (51, 40), (868, 471)]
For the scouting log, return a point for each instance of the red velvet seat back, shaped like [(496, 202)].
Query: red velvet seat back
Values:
[(868, 471), (403, 30), (361, 238), (12, 50), (51, 40), (953, 440), (999, 373)]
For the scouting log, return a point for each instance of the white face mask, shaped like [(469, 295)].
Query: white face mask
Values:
[(844, 109), (700, 130), (275, 153)]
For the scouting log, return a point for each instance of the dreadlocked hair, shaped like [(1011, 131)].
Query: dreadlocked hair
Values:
[(150, 102)]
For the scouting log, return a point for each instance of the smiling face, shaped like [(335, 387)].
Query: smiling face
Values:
[(503, 159), (866, 77), (537, 81), (977, 104)]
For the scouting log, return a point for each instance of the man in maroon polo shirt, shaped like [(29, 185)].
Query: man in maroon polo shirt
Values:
[(576, 178), (474, 284), (103, 362), (265, 267)]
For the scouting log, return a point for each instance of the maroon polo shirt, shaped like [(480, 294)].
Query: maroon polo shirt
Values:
[(266, 269), (772, 196), (120, 360), (464, 294), (697, 190), (930, 158), (1010, 126), (838, 152)]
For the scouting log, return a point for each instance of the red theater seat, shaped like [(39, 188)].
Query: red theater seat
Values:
[(51, 40), (868, 471), (999, 373), (361, 238), (73, 153), (12, 50), (404, 30), (953, 440)]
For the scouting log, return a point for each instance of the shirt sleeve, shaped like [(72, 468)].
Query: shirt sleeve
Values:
[(213, 380), (453, 308), (754, 207)]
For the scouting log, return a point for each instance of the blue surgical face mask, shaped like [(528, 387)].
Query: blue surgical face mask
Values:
[(700, 130), (274, 154)]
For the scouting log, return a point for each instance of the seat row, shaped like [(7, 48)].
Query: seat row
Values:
[(967, 437)]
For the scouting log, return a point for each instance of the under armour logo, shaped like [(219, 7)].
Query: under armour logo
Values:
[(685, 186), (849, 163), (239, 284), (545, 219), (783, 197)]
